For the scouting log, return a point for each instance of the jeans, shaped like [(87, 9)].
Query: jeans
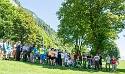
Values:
[(89, 64)]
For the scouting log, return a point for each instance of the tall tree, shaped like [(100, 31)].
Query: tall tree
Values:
[(91, 22)]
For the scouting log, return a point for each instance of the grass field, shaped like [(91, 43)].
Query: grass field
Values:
[(14, 67)]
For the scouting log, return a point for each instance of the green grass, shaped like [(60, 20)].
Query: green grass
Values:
[(14, 67)]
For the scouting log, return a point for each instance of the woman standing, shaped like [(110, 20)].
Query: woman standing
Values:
[(35, 51), (52, 56), (8, 50), (114, 63)]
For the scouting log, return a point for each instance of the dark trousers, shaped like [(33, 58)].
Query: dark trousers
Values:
[(24, 57), (107, 66), (59, 61), (96, 65), (17, 55), (84, 63)]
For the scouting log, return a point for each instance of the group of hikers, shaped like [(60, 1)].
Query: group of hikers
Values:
[(54, 57)]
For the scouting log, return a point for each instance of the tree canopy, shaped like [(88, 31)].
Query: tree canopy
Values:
[(94, 23)]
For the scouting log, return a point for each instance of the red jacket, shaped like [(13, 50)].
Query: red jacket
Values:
[(113, 61)]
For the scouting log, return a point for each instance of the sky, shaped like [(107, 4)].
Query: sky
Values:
[(46, 10)]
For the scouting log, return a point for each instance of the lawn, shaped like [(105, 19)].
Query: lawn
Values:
[(14, 67)]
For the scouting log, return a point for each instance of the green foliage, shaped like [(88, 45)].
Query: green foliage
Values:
[(94, 23), (20, 24)]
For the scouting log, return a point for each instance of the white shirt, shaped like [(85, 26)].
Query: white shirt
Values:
[(65, 55), (108, 59), (62, 55), (69, 61), (15, 46), (56, 54), (96, 58)]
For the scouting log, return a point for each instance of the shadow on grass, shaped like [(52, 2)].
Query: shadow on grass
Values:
[(81, 69), (69, 68)]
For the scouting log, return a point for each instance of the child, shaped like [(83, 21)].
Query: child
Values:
[(93, 62), (69, 62), (78, 62)]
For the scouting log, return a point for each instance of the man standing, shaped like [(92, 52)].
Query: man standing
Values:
[(84, 60), (89, 61), (25, 52), (62, 58), (108, 62), (31, 52), (19, 46), (42, 54), (59, 58), (100, 62), (96, 61)]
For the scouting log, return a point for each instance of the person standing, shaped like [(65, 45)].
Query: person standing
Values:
[(49, 55), (18, 51), (59, 58), (93, 62), (100, 62), (89, 61), (4, 49), (14, 51), (62, 58), (84, 60), (35, 51), (114, 63), (45, 53), (56, 57), (8, 50), (52, 56), (108, 59), (65, 57), (42, 54), (25, 52), (31, 48), (96, 61)]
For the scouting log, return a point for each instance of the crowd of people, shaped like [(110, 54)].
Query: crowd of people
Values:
[(54, 57)]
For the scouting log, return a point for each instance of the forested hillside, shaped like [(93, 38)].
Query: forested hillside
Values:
[(38, 21)]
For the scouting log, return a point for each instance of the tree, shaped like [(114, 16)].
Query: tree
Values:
[(91, 22)]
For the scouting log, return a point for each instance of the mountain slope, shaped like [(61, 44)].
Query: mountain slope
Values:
[(42, 24), (38, 21)]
